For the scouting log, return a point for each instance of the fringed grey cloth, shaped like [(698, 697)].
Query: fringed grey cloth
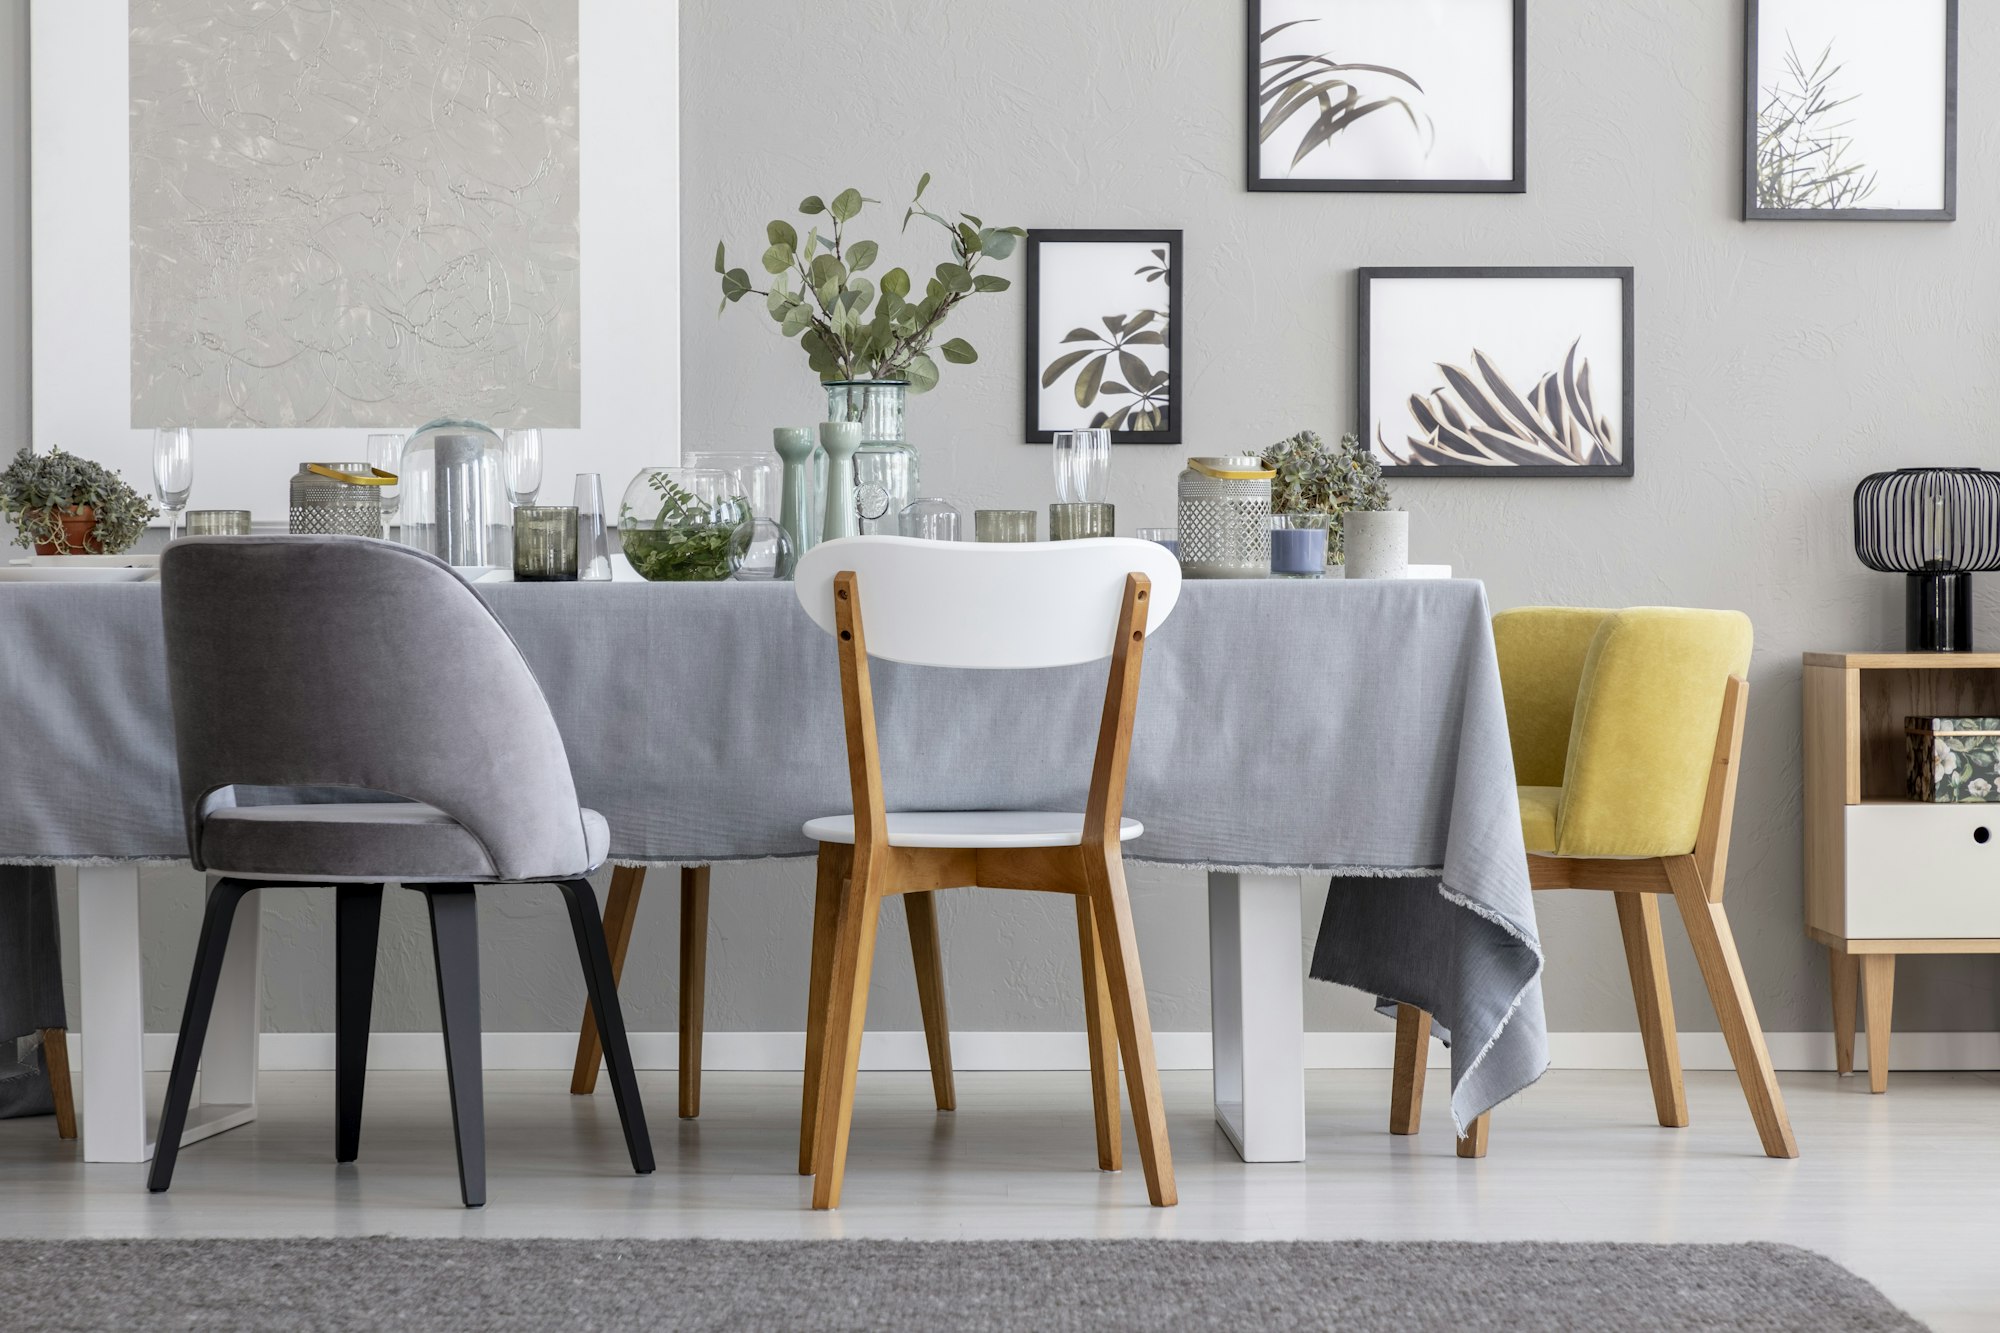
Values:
[(31, 992)]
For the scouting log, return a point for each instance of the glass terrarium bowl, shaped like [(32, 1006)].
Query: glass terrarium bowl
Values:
[(675, 523), (453, 494)]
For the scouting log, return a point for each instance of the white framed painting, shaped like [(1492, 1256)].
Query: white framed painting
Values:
[(1850, 110), (1497, 372), (289, 227), (1407, 95), (1104, 340)]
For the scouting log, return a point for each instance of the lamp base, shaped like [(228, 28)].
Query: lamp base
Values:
[(1937, 614)]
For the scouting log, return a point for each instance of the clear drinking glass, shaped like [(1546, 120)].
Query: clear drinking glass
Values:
[(1003, 525), (524, 465), (1083, 466), (931, 519), (173, 472), (385, 454), (593, 543), (1167, 537)]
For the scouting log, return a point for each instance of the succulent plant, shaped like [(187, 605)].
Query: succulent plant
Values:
[(830, 311), (36, 488), (1314, 478)]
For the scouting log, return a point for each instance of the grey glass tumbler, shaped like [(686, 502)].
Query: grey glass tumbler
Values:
[(545, 544)]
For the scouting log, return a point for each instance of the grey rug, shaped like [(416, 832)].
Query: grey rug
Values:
[(381, 1283)]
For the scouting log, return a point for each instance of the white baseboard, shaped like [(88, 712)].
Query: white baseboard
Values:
[(782, 1051)]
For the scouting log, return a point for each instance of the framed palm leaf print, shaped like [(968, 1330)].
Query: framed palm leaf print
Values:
[(1497, 372), (1408, 95), (1104, 334)]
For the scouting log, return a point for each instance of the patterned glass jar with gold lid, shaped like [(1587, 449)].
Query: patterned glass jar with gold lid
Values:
[(343, 498), (1225, 518)]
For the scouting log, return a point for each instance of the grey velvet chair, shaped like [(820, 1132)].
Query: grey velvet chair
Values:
[(348, 713)]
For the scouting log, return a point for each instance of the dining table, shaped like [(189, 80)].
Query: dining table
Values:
[(1347, 730)]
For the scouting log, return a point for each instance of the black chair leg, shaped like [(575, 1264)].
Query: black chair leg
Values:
[(596, 958), (220, 916), (357, 927), (455, 947)]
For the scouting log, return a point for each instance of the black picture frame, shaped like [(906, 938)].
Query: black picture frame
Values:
[(1752, 212), (1364, 301), (1170, 433), (1256, 181)]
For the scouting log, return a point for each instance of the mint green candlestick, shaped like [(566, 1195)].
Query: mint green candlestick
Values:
[(840, 439), (795, 507)]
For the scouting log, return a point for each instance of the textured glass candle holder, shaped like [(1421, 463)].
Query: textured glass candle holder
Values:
[(1003, 525), (545, 544), (1073, 522), (218, 523), (1298, 545)]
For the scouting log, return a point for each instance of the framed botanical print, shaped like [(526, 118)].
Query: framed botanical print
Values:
[(1410, 95), (1497, 372), (1104, 341), (1850, 110)]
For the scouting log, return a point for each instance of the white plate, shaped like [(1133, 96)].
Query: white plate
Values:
[(82, 569)]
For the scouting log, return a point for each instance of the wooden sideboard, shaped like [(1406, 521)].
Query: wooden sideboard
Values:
[(1886, 875)]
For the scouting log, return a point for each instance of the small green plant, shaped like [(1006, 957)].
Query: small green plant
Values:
[(687, 541), (850, 328), (36, 490), (1314, 478)]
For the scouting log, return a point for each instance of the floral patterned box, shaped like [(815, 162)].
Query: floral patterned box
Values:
[(1954, 758)]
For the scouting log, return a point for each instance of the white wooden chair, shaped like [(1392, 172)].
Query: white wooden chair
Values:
[(1001, 607)]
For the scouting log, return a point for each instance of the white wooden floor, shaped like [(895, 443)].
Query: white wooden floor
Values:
[(1903, 1189)]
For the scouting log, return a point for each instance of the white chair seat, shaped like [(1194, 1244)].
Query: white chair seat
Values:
[(972, 828)]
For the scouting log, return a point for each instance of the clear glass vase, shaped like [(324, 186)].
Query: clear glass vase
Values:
[(453, 484), (885, 466), (675, 523)]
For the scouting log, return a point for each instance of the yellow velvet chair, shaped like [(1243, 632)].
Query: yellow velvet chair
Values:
[(1627, 727)]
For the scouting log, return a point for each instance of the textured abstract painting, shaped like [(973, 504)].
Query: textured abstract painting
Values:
[(354, 213)]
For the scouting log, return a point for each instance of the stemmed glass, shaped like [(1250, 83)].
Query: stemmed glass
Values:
[(173, 472), (385, 454), (524, 465), (1083, 466)]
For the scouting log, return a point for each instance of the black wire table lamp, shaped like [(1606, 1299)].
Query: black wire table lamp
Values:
[(1937, 526)]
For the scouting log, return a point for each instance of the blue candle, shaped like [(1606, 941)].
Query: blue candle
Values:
[(1298, 553)]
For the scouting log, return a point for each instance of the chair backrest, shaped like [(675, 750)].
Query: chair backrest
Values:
[(995, 605), (348, 662), (1542, 650), (1649, 700)]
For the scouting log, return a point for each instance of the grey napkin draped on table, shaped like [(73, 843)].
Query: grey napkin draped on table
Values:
[(1352, 728)]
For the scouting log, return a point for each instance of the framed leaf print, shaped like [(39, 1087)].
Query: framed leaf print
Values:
[(1409, 95), (1850, 110), (1497, 372), (1104, 346)]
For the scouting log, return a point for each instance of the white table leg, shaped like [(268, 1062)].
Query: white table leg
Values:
[(113, 1017), (1257, 1008), (115, 1123)]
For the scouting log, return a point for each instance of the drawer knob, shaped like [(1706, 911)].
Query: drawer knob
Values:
[(1980, 834)]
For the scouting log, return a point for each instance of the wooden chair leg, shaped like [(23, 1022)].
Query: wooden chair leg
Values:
[(1878, 984), (846, 1014), (55, 1054), (920, 909), (1652, 993), (621, 905), (216, 921), (834, 861), (694, 984), (1102, 1028), (1472, 1143), (1844, 971), (357, 930), (1722, 970), (1113, 912), (1406, 1084)]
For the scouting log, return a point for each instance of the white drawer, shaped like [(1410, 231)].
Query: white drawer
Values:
[(1919, 871)]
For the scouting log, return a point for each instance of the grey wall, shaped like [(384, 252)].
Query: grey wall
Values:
[(1777, 363)]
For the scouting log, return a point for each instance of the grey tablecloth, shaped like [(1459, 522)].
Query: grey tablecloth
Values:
[(1347, 727)]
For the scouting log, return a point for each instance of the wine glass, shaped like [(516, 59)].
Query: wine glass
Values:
[(173, 472), (385, 454), (524, 465), (1082, 465)]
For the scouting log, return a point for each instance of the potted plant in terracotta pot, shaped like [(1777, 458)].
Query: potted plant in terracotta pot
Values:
[(64, 505)]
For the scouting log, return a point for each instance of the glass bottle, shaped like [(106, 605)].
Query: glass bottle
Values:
[(885, 466)]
